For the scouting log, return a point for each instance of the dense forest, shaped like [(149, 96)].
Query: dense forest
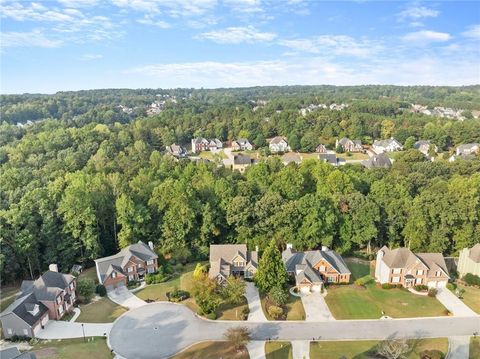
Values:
[(88, 178)]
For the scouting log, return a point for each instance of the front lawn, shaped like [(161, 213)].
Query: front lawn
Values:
[(279, 350), (294, 308), (228, 311), (101, 311), (474, 348), (7, 296), (211, 350), (471, 297), (72, 349), (353, 156), (357, 268), (362, 349), (352, 302)]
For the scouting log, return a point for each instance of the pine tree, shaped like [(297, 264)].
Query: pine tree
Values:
[(271, 269)]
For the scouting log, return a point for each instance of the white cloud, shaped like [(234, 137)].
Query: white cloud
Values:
[(33, 12), (148, 20), (89, 57), (245, 6), (174, 8), (473, 32), (33, 38), (417, 12), (236, 35), (78, 3), (329, 45), (425, 36)]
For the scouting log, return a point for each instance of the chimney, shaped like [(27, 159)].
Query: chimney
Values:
[(150, 244), (324, 248), (289, 246), (53, 267)]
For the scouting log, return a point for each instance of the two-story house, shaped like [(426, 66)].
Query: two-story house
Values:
[(469, 261), (278, 144), (402, 266), (176, 151), (313, 268), (389, 145), (232, 259), (199, 144), (130, 264), (241, 144), (349, 145), (48, 297)]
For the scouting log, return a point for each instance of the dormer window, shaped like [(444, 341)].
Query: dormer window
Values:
[(323, 268), (114, 274), (130, 269), (150, 262), (34, 310), (238, 263)]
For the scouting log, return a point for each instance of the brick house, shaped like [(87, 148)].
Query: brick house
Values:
[(349, 145), (402, 266), (48, 297), (232, 259), (312, 269), (241, 144), (130, 264)]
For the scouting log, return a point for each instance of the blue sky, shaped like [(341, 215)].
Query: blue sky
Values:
[(49, 46)]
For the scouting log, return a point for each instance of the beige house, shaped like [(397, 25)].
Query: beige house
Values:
[(241, 162), (402, 266), (469, 261), (312, 268), (232, 259)]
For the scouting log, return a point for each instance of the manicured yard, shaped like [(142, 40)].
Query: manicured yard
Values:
[(227, 311), (352, 302), (7, 296), (211, 350), (278, 350), (361, 349), (357, 268), (295, 310), (471, 297), (474, 348), (73, 349), (89, 273), (101, 311), (353, 156)]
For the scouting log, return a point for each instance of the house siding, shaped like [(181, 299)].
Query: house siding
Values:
[(466, 265), (16, 325)]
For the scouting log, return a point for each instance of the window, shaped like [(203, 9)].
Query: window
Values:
[(438, 273), (397, 270), (396, 280), (150, 270), (9, 331), (140, 265), (130, 269), (418, 281), (130, 278), (322, 269), (150, 262), (114, 274), (60, 310), (238, 264), (25, 332), (330, 279), (420, 272)]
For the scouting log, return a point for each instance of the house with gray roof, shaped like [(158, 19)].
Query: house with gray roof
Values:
[(424, 146), (278, 144), (311, 269), (132, 263), (240, 162), (292, 157), (176, 151), (388, 145), (331, 158), (14, 353), (48, 297), (468, 149), (232, 259), (349, 145), (401, 266), (378, 161), (241, 144)]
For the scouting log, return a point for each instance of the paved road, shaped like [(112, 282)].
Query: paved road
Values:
[(453, 304), (254, 305), (316, 309), (125, 298), (458, 347), (66, 330), (159, 330)]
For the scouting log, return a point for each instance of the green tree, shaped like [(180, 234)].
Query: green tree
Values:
[(271, 270), (234, 290), (86, 289), (409, 142)]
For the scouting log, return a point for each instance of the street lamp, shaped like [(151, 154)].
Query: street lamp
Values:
[(83, 330)]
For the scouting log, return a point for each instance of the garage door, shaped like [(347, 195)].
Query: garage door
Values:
[(316, 288), (432, 284)]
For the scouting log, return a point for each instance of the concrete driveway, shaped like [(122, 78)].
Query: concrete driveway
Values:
[(159, 330), (59, 329), (125, 298), (453, 304), (301, 349), (458, 347), (256, 349), (254, 304), (316, 309)]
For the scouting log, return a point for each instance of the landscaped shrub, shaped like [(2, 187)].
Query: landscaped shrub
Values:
[(19, 338), (471, 279), (154, 278), (278, 295), (274, 311), (451, 286), (177, 295), (211, 316), (101, 290), (132, 284), (421, 288), (386, 286), (432, 292), (364, 280), (432, 354), (245, 313)]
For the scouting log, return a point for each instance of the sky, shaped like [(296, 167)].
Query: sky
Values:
[(49, 46)]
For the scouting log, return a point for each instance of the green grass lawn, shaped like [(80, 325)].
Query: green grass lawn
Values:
[(101, 311), (471, 297), (89, 273), (358, 270), (228, 311), (72, 349), (211, 350), (353, 156), (295, 310), (362, 348), (474, 348), (278, 350), (7, 296)]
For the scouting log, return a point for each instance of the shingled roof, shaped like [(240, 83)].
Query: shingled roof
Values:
[(404, 257), (292, 259), (222, 255)]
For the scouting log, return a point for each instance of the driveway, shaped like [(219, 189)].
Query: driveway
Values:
[(453, 304), (256, 349), (159, 330), (458, 347), (125, 298), (301, 349), (254, 304), (59, 329), (316, 309)]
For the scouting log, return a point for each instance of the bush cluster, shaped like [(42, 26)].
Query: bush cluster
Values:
[(432, 354), (177, 295), (154, 278), (432, 292), (451, 286), (364, 280), (471, 279), (101, 290), (421, 288)]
